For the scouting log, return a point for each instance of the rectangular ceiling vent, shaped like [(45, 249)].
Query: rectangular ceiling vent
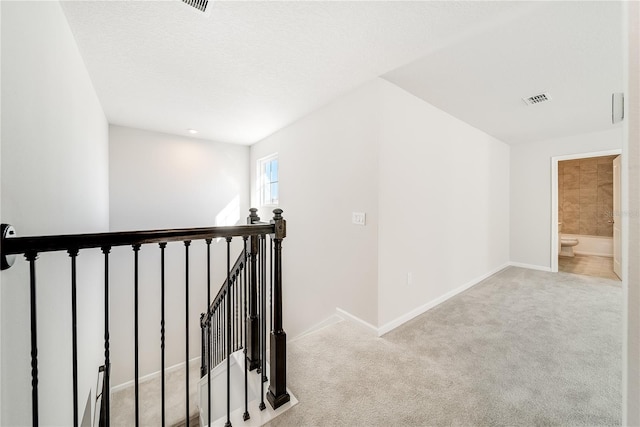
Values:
[(537, 99), (201, 5)]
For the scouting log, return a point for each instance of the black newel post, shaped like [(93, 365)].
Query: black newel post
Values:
[(253, 327), (277, 394)]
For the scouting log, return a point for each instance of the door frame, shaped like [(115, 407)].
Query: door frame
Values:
[(617, 215), (554, 195)]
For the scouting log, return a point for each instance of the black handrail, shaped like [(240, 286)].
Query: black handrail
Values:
[(23, 245), (238, 293)]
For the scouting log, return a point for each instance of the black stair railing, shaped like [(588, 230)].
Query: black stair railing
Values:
[(251, 294), (232, 321)]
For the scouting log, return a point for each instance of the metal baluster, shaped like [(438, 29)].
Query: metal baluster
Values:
[(237, 308), (216, 342), (230, 316), (242, 300), (203, 350), (208, 241), (162, 361), (233, 312), (228, 423), (270, 284), (246, 415), (73, 253), (187, 243), (106, 397), (223, 328), (136, 249), (264, 307), (31, 257), (253, 339), (217, 333), (263, 313), (215, 336)]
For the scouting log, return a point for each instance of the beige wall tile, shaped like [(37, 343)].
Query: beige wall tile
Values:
[(570, 225), (571, 201), (605, 174), (588, 196), (605, 195), (604, 214), (585, 195), (605, 230), (571, 181), (588, 228), (588, 180), (589, 165), (606, 159)]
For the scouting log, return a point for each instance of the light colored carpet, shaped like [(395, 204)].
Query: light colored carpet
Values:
[(123, 401), (521, 348)]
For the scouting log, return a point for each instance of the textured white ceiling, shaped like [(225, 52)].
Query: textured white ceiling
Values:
[(573, 50), (251, 68)]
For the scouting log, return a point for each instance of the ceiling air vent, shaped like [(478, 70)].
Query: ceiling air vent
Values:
[(201, 5), (537, 99)]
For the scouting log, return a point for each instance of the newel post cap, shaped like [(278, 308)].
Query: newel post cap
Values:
[(253, 216), (280, 223)]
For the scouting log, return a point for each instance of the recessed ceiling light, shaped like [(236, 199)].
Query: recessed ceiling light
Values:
[(192, 131)]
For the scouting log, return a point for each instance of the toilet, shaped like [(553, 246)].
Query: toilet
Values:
[(566, 244)]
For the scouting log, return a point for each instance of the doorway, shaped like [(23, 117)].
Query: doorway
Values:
[(597, 235)]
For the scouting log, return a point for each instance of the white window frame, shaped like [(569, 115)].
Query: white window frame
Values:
[(262, 182)]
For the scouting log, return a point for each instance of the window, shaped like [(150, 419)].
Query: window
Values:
[(268, 180)]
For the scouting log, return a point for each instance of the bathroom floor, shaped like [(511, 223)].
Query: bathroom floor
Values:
[(588, 265)]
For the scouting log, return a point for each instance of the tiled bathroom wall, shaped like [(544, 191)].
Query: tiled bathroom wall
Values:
[(585, 196)]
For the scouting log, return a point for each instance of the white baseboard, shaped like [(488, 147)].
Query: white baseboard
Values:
[(331, 320), (153, 375), (388, 327), (530, 266), (348, 316)]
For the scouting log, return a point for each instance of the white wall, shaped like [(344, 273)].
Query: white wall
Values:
[(531, 190), (443, 203), (0, 214), (328, 169), (631, 176), (426, 181), (54, 180), (166, 181)]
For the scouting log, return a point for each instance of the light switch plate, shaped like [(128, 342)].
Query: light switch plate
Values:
[(359, 218)]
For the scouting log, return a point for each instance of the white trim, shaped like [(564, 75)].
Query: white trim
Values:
[(153, 375), (388, 327), (331, 320), (530, 266), (342, 315), (554, 196), (348, 316)]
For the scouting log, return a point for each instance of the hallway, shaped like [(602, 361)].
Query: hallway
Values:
[(523, 347)]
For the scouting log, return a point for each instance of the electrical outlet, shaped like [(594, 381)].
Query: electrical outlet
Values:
[(409, 279), (359, 218)]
